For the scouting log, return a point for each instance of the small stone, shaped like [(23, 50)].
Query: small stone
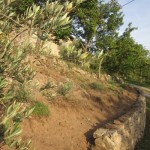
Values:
[(117, 122), (100, 132)]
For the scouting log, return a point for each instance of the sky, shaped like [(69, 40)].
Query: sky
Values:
[(138, 12)]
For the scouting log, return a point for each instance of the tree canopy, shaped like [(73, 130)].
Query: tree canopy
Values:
[(129, 59), (96, 24)]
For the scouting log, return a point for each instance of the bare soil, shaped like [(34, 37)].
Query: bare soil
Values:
[(75, 116)]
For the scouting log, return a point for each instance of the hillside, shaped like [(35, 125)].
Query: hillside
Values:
[(75, 112), (63, 74)]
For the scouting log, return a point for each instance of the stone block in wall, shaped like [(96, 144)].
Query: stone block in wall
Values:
[(124, 132), (109, 139)]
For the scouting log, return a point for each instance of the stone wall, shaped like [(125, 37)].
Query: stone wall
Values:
[(125, 132)]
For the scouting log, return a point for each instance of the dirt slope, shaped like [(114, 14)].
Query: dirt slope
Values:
[(76, 115)]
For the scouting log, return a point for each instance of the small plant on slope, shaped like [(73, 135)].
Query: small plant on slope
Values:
[(40, 109), (65, 88), (96, 86)]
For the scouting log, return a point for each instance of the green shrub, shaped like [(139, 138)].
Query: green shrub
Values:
[(112, 82), (62, 34), (22, 94), (49, 95), (96, 86), (74, 53), (40, 109), (20, 6), (124, 86), (34, 20), (65, 88), (112, 87), (10, 127)]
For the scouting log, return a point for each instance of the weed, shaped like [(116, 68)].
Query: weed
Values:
[(46, 51), (22, 94), (48, 85), (47, 91), (74, 54), (96, 86), (49, 95), (27, 47), (112, 87), (112, 82), (40, 109), (65, 88), (123, 85), (121, 90)]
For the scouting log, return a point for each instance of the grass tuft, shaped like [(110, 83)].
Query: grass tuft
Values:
[(22, 94), (48, 85), (96, 86), (40, 109), (65, 88)]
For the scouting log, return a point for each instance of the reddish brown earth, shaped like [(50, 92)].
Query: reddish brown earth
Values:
[(77, 115), (71, 128)]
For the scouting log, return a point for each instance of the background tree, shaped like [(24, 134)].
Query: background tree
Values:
[(129, 59), (96, 23)]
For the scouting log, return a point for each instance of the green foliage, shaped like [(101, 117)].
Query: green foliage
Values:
[(128, 60), (73, 53), (123, 85), (96, 62), (41, 21), (3, 83), (10, 126), (22, 94), (20, 6), (62, 33), (34, 20), (65, 88), (40, 109), (112, 85), (96, 23), (48, 85), (48, 91), (96, 86), (10, 63), (5, 95), (11, 69), (45, 51), (50, 96)]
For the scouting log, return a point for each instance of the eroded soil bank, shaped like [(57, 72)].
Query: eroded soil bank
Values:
[(76, 115), (70, 127)]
